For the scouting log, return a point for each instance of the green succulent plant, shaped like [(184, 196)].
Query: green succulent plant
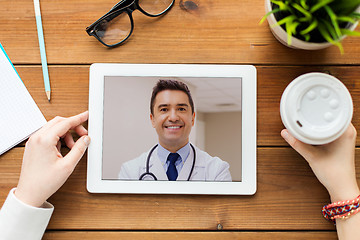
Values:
[(316, 20)]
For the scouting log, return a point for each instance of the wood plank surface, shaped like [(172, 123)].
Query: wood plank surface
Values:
[(70, 88), (191, 235), (212, 31), (288, 197)]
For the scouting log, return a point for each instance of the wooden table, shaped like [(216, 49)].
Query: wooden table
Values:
[(289, 198)]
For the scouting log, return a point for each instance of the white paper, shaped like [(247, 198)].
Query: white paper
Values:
[(19, 114)]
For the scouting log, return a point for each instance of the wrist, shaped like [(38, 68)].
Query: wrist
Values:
[(23, 197), (344, 194)]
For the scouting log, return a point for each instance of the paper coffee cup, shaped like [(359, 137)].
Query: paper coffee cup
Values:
[(316, 108)]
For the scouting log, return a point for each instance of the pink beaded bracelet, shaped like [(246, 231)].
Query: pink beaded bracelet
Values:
[(341, 209)]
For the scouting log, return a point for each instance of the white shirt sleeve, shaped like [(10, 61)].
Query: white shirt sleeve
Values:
[(21, 221)]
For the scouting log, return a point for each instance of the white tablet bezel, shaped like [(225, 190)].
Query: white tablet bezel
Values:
[(95, 183)]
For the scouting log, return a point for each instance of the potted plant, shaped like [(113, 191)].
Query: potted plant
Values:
[(312, 24)]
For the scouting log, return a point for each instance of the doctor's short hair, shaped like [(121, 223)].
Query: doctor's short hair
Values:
[(168, 84)]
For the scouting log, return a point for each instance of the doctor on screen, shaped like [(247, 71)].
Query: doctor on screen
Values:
[(174, 157)]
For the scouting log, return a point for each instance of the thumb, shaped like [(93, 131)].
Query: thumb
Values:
[(302, 148), (78, 150)]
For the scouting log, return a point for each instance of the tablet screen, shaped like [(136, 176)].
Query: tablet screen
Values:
[(129, 132)]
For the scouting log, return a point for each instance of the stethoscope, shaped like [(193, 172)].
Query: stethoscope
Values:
[(148, 173)]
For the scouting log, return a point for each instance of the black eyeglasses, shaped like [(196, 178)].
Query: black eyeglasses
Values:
[(116, 26)]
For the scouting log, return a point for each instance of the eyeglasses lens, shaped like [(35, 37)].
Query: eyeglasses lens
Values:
[(114, 28), (155, 7)]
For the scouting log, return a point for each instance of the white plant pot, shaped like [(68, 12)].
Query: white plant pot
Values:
[(281, 35)]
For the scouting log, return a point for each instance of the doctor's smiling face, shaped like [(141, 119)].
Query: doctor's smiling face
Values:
[(172, 117)]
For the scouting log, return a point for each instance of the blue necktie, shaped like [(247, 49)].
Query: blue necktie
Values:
[(171, 171)]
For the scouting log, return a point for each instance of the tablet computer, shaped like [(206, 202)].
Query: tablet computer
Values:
[(172, 129)]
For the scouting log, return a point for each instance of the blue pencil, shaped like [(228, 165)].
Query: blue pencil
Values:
[(42, 48)]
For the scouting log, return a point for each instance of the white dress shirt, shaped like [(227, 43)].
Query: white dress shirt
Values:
[(21, 221)]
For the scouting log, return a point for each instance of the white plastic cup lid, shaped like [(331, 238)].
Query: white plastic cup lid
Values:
[(316, 108)]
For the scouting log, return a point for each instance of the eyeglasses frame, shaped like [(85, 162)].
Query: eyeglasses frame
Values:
[(118, 9)]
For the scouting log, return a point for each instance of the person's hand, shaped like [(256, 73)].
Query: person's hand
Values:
[(44, 170), (333, 163)]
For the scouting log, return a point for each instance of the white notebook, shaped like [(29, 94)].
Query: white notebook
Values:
[(19, 114)]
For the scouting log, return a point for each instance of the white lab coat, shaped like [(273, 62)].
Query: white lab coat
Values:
[(21, 221), (207, 168)]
